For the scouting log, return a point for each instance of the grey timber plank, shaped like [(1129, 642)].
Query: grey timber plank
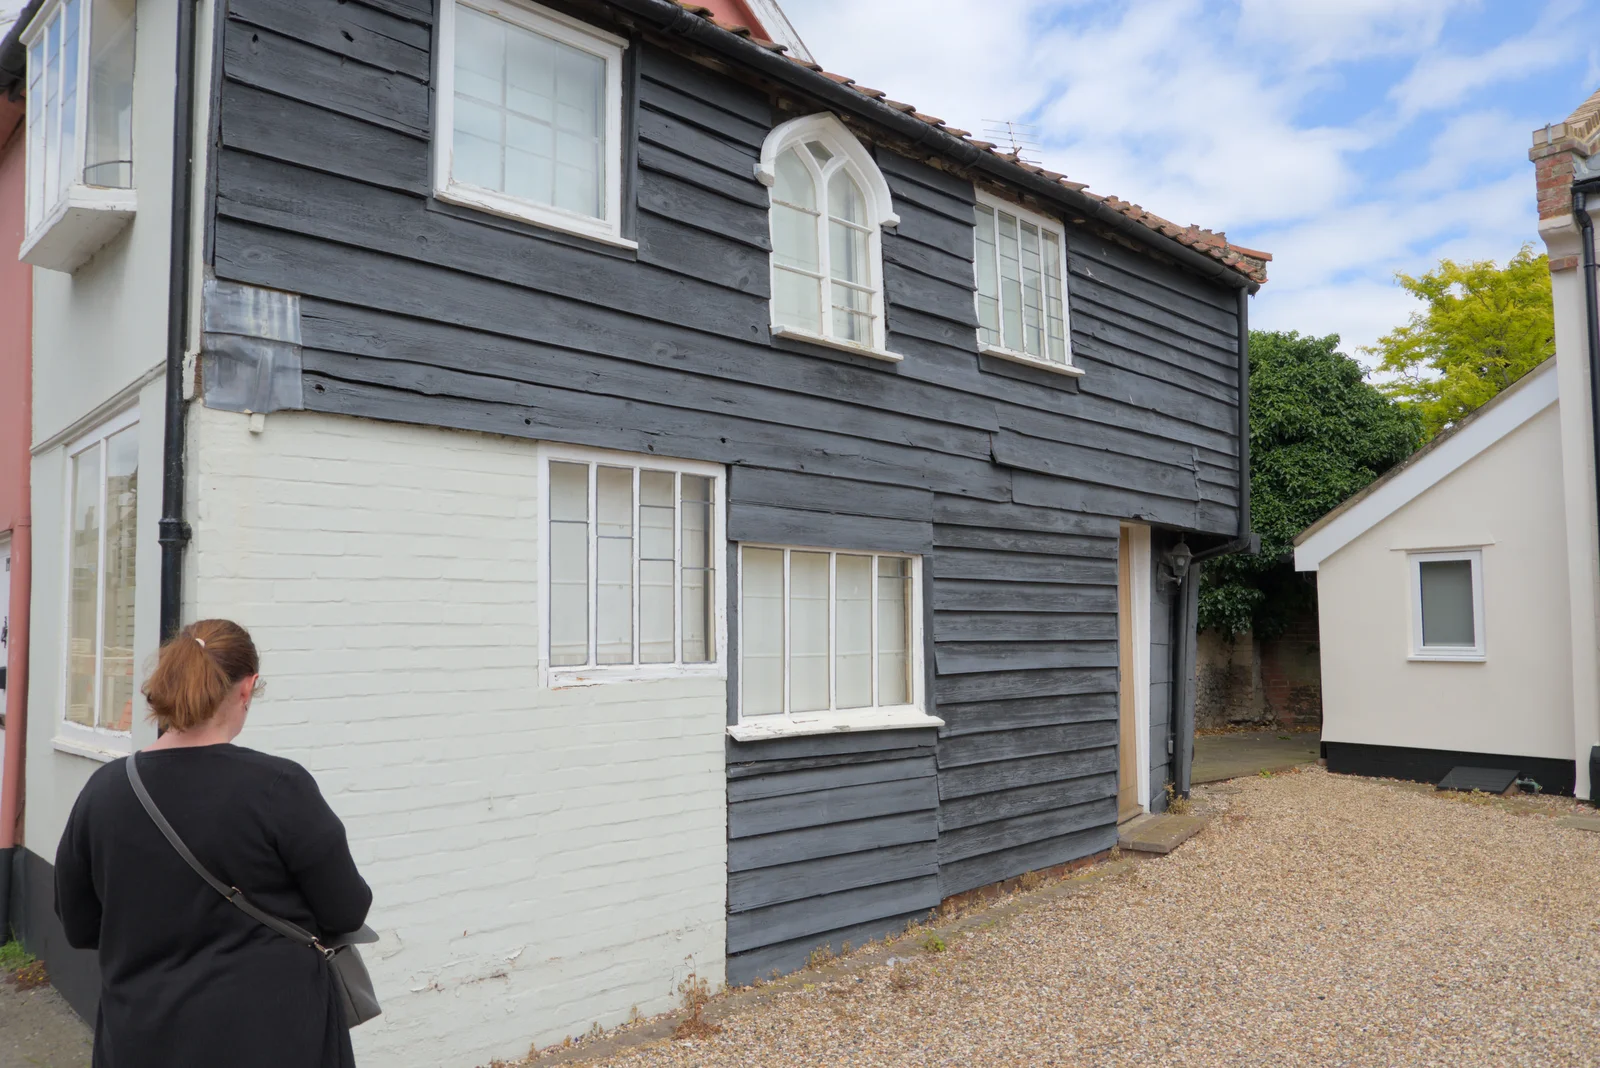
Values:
[(779, 923), (710, 118), (965, 658), (791, 526), (771, 961), (973, 779), (956, 595), (1194, 300), (960, 812), (698, 253), (1150, 305), (1024, 541), (831, 840), (1003, 685), (274, 194), (1170, 347), (758, 485), (780, 784), (841, 804), (1218, 385), (935, 230), (1023, 626), (925, 259), (419, 11), (290, 68), (665, 161), (963, 875), (736, 159), (957, 844), (952, 563), (917, 292), (956, 208), (961, 750), (951, 511), (352, 30), (1125, 472), (813, 878), (1205, 516), (751, 769), (1130, 388), (662, 194), (827, 744), (897, 167), (903, 322), (736, 98), (276, 126), (978, 717)]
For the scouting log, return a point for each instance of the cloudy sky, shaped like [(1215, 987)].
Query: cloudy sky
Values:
[(1349, 138)]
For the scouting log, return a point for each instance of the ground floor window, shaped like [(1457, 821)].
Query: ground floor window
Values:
[(826, 632), (102, 553), (1447, 605), (631, 562)]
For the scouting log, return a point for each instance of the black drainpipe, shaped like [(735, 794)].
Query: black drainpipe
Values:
[(1185, 604), (1580, 208), (173, 531)]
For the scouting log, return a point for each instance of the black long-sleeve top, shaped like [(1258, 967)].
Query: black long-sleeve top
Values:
[(185, 977)]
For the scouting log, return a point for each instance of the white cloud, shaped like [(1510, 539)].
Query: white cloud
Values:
[(1207, 114)]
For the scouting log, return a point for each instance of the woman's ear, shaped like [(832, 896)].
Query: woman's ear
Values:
[(247, 689)]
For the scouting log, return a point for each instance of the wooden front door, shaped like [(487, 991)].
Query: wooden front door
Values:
[(1128, 804)]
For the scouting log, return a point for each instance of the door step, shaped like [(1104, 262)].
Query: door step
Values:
[(1151, 833)]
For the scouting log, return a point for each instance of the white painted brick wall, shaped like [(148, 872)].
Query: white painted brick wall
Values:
[(542, 860)]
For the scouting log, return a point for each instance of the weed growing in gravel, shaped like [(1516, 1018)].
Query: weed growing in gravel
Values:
[(820, 956), (14, 958), (695, 992), (1177, 804), (901, 980), (1266, 773), (934, 944)]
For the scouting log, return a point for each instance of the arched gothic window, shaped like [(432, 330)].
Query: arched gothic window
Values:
[(829, 203)]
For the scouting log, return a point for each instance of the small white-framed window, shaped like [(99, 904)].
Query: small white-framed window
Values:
[(1447, 605), (528, 117), (631, 566), (102, 522), (829, 204), (829, 639), (80, 56), (1020, 261)]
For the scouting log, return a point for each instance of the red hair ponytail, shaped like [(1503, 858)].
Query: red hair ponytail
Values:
[(195, 670)]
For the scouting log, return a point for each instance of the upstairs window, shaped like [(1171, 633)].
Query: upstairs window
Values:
[(80, 128), (528, 119), (1020, 261), (829, 203)]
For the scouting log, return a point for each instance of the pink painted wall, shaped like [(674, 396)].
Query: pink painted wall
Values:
[(16, 430)]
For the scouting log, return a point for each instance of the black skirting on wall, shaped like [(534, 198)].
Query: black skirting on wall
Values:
[(1430, 765), (73, 972)]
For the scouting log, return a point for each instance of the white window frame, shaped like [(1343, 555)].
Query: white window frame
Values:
[(831, 721), (565, 675), (96, 741), (1419, 651), (851, 156), (53, 240), (1054, 226), (568, 31)]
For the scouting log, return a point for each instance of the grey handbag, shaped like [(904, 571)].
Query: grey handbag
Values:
[(350, 976)]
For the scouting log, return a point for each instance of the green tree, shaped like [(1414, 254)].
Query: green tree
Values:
[(1484, 327), (1319, 432)]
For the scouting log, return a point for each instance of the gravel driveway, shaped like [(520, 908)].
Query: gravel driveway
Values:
[(1319, 920)]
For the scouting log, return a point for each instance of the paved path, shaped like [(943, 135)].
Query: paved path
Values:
[(1230, 756), (1318, 920), (39, 1030)]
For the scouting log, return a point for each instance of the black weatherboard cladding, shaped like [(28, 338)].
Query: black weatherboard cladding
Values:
[(1009, 480)]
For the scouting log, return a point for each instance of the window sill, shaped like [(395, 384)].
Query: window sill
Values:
[(1031, 361), (548, 218), (564, 678), (1427, 656), (93, 752), (791, 333), (86, 219), (762, 728)]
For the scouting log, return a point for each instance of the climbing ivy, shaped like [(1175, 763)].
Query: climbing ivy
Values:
[(1319, 432)]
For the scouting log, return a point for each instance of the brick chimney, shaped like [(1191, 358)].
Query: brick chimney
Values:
[(1556, 154)]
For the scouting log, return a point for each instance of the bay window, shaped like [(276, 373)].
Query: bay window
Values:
[(80, 56), (631, 563)]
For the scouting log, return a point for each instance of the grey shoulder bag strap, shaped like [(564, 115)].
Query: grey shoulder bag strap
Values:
[(350, 976)]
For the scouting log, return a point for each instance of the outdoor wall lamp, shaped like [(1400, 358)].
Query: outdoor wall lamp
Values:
[(1178, 558)]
